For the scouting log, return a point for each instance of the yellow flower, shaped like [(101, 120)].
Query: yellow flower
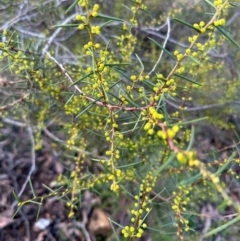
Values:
[(182, 158)]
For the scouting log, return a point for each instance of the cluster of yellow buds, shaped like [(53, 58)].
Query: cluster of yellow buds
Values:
[(170, 133), (200, 26), (154, 114), (93, 13), (217, 3), (220, 22), (95, 10), (178, 55), (187, 157)]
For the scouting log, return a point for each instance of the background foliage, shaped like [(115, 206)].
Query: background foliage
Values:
[(139, 100)]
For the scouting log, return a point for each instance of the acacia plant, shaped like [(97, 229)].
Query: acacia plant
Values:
[(122, 90)]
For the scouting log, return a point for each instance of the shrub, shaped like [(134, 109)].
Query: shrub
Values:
[(123, 93)]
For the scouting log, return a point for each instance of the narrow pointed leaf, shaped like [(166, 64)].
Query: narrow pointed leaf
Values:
[(48, 188), (82, 112), (136, 124), (115, 84), (73, 25), (70, 98), (114, 96), (140, 61), (121, 73), (147, 12), (221, 228), (223, 32), (149, 84), (16, 197), (161, 47), (39, 209), (31, 186), (191, 180), (234, 5), (188, 79), (224, 166), (131, 164), (72, 6), (195, 60), (17, 211), (84, 77), (117, 64), (194, 121), (103, 16), (105, 24), (95, 133), (210, 3), (129, 99), (165, 164), (190, 144), (186, 24), (114, 230)]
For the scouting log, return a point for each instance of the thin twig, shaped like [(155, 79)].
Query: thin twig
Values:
[(82, 225), (164, 45), (33, 165), (54, 35), (55, 138), (14, 122), (52, 136), (97, 102), (15, 19), (196, 108), (14, 102)]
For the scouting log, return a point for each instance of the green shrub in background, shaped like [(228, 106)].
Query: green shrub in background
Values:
[(120, 88)]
